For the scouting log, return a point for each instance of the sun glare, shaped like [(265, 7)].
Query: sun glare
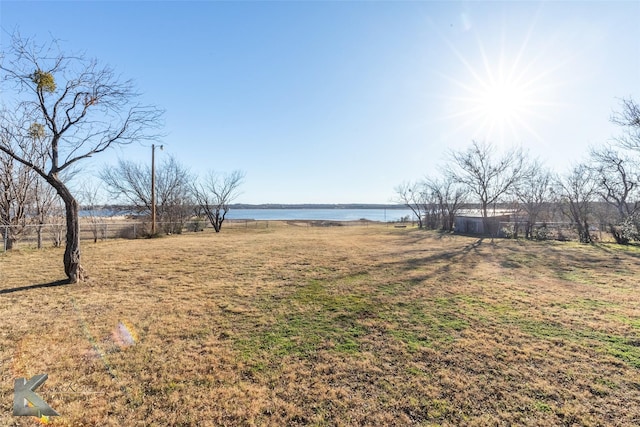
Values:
[(501, 92), (502, 102), (503, 108), (498, 108)]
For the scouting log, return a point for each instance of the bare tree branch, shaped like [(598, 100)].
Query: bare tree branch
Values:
[(132, 182), (629, 119), (577, 191), (617, 175), (534, 192), (85, 109), (487, 177), (413, 196), (450, 197), (214, 194)]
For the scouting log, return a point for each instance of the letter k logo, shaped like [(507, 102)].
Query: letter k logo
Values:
[(23, 394)]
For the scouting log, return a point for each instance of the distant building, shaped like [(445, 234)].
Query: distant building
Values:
[(472, 222)]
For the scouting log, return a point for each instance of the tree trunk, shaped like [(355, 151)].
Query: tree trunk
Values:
[(587, 234), (72, 267), (217, 222), (7, 238), (583, 232), (39, 232), (485, 219)]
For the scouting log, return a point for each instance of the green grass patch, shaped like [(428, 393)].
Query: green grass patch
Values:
[(542, 406), (623, 348), (586, 304), (310, 319), (424, 324)]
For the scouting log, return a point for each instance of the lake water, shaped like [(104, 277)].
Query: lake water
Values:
[(301, 214), (320, 214)]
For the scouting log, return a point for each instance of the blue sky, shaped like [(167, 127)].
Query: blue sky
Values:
[(339, 102)]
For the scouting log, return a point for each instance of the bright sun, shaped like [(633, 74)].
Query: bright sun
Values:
[(500, 95), (498, 105), (502, 102), (503, 107)]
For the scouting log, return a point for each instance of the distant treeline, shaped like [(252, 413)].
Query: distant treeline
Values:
[(318, 206), (127, 208)]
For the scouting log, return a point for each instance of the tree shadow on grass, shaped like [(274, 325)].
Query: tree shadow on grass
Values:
[(41, 285), (457, 255), (619, 249)]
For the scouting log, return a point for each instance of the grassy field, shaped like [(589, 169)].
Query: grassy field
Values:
[(331, 326)]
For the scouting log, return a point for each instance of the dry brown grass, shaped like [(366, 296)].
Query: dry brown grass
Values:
[(295, 325)]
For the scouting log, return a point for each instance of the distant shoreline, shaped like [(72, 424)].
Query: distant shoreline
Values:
[(239, 206), (316, 206), (352, 212)]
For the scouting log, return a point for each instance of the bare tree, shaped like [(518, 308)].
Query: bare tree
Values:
[(629, 119), (577, 192), (488, 178), (131, 182), (413, 196), (617, 176), (174, 195), (215, 193), (16, 189), (534, 192), (432, 215), (44, 197), (450, 198), (17, 182), (90, 197), (85, 109), (45, 209), (56, 222)]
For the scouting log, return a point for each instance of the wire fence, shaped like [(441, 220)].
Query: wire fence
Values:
[(53, 234), (557, 230), (47, 235), (43, 235)]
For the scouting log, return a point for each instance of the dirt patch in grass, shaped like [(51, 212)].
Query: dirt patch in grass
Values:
[(292, 325)]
